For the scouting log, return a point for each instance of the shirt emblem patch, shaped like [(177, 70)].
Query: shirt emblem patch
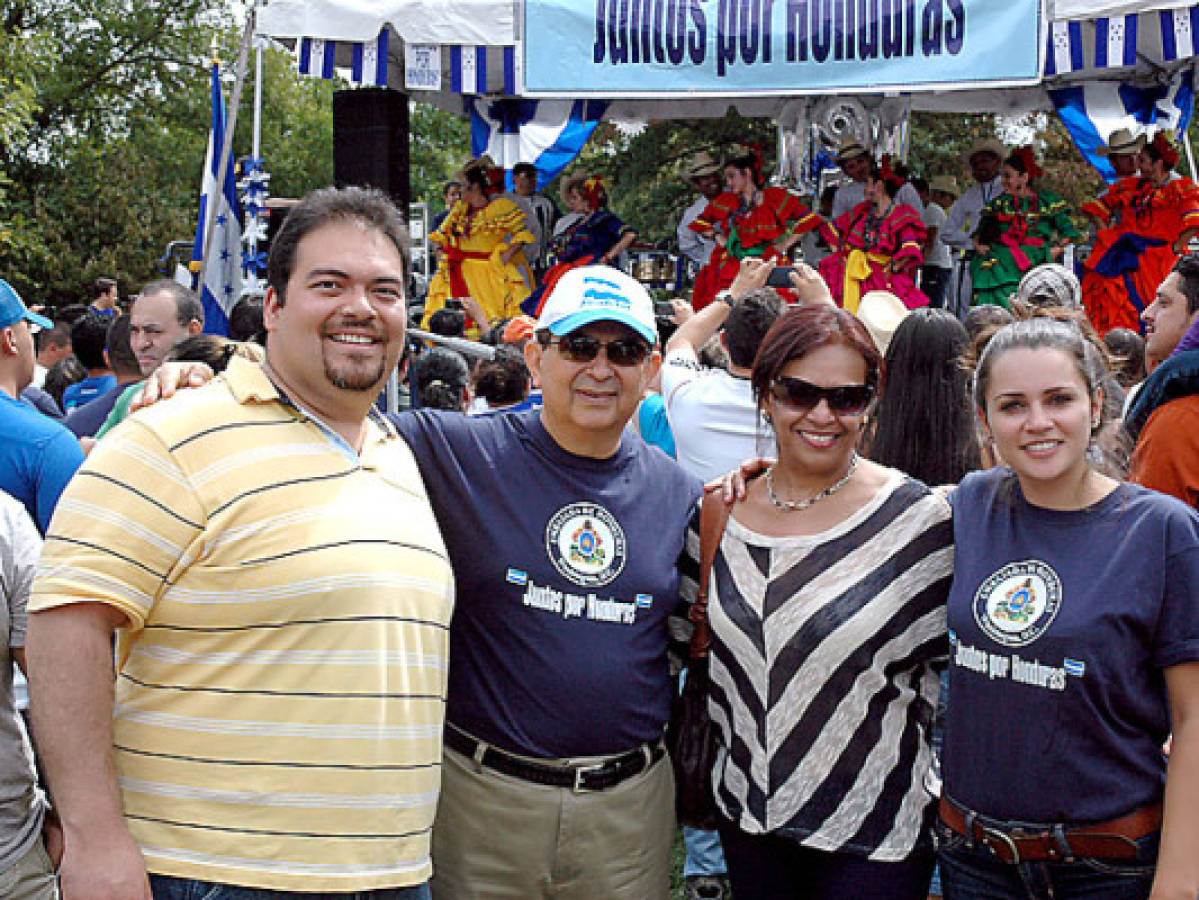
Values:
[(586, 544), (1018, 603)]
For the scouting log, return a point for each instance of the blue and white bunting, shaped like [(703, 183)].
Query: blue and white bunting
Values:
[(1065, 52), (1180, 33), (471, 74), (368, 60), (222, 272), (547, 133), (1092, 111), (1116, 42)]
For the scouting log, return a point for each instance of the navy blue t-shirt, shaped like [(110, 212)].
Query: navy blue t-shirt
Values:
[(1060, 624), (86, 420), (565, 571)]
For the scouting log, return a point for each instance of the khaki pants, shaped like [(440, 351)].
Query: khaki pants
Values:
[(502, 838), (31, 877)]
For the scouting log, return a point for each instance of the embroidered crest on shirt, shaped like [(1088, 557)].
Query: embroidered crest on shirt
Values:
[(1018, 603), (586, 544)]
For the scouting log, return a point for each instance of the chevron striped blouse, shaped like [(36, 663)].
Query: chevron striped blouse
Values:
[(824, 673)]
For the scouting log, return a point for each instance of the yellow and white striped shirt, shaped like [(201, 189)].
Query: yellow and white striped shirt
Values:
[(281, 686)]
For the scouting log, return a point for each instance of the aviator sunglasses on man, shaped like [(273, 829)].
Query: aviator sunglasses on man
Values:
[(803, 396), (583, 348)]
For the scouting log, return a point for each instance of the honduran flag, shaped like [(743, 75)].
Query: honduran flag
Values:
[(368, 60), (221, 287), (1092, 111), (1180, 33), (547, 133)]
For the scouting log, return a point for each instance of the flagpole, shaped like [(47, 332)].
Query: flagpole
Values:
[(257, 134), (227, 144)]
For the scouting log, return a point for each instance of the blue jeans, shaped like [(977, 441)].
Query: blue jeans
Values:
[(704, 853), (166, 888), (974, 873)]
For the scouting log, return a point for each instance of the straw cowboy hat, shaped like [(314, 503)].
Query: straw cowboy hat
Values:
[(1121, 141), (946, 184), (702, 164), (985, 145), (851, 148), (881, 312)]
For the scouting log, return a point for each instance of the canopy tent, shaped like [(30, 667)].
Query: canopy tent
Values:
[(479, 51), (464, 55)]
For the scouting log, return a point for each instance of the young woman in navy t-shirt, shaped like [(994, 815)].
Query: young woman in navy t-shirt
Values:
[(1074, 652)]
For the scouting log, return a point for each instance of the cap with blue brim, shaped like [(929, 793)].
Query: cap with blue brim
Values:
[(590, 294), (13, 309)]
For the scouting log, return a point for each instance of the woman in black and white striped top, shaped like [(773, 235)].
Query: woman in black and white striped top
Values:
[(828, 616)]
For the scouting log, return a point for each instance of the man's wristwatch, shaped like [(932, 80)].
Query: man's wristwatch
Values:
[(727, 297)]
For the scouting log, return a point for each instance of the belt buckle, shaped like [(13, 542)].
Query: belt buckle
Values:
[(1002, 838), (581, 772)]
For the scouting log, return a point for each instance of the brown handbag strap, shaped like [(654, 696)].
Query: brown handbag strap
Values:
[(714, 515)]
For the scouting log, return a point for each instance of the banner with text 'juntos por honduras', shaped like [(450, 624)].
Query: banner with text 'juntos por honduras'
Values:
[(663, 48)]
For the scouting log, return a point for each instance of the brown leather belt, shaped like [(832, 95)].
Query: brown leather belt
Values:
[(1116, 839)]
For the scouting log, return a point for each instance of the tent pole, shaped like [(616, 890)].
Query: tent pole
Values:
[(1186, 142), (227, 144)]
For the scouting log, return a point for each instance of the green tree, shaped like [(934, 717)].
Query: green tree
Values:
[(438, 147)]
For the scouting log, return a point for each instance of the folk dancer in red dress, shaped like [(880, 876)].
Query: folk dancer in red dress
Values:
[(878, 245), (1146, 222), (747, 220)]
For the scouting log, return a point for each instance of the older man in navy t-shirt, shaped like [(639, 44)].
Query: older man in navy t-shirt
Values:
[(564, 531)]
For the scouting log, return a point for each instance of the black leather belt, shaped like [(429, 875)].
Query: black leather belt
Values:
[(598, 776)]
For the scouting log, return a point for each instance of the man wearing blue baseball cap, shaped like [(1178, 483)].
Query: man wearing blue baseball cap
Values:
[(38, 456), (563, 530)]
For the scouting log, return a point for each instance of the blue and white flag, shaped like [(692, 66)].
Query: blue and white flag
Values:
[(1092, 111), (1180, 33), (368, 60), (1116, 42), (483, 70), (222, 274), (1065, 51), (547, 133)]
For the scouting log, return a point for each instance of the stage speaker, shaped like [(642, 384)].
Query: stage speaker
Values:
[(370, 142)]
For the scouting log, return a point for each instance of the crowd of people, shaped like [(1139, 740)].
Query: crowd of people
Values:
[(281, 643)]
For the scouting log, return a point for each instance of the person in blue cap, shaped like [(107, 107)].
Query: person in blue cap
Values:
[(38, 455)]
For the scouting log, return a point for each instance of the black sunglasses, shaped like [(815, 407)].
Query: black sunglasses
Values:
[(803, 396), (583, 348)]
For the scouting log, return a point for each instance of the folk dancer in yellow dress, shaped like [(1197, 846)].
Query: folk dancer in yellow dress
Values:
[(483, 240)]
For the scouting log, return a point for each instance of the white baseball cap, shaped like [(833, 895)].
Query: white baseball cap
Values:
[(598, 294)]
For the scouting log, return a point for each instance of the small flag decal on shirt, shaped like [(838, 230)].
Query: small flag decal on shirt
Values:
[(645, 601), (1075, 667), (516, 576)]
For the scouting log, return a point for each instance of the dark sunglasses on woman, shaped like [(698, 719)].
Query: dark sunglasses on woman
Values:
[(583, 348), (803, 396)]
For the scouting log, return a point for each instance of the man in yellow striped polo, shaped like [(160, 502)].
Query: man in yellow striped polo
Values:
[(264, 549)]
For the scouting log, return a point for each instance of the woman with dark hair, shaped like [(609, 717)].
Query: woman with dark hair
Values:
[(597, 237), (1148, 220), (879, 245), (442, 380), (923, 424), (1021, 228), (501, 384), (748, 219), (827, 613), (483, 240), (1075, 651)]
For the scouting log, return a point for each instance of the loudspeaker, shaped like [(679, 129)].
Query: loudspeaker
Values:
[(370, 142)]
